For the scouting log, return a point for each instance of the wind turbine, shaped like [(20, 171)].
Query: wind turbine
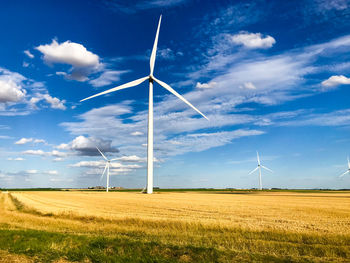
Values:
[(348, 171), (108, 164), (150, 79), (259, 167)]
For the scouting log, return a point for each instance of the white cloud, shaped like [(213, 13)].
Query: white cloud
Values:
[(205, 85), (54, 102), (56, 153), (24, 141), (95, 167), (27, 140), (108, 77), (15, 159), (68, 53), (336, 81), (63, 146), (132, 158), (34, 152), (39, 141), (27, 52), (248, 85), (137, 133), (52, 172), (10, 91), (166, 54), (53, 153), (202, 141), (32, 171), (253, 40), (83, 62), (19, 94), (334, 118)]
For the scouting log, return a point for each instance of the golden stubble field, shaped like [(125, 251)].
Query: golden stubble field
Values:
[(301, 212), (298, 227)]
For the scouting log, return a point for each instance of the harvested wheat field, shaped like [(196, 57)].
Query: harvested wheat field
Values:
[(71, 226)]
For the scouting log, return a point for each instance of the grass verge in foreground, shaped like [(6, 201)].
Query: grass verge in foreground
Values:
[(44, 246)]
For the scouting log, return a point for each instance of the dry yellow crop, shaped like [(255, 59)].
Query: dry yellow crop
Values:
[(270, 225)]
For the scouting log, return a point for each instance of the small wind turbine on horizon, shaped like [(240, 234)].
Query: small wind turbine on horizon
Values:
[(348, 171), (259, 168), (108, 164), (150, 78)]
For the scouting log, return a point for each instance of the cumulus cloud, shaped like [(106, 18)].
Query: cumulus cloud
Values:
[(20, 94), (83, 62), (54, 102), (253, 40), (68, 53), (27, 140), (24, 141), (86, 146), (10, 91), (336, 81)]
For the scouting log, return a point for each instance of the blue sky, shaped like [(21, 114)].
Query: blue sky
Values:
[(272, 76)]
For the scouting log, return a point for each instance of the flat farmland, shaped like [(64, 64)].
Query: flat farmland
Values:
[(176, 226)]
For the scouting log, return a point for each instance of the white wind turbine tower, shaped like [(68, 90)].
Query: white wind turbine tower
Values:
[(150, 79), (259, 167), (348, 171), (108, 164)]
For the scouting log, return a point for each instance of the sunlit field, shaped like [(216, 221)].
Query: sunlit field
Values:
[(175, 226)]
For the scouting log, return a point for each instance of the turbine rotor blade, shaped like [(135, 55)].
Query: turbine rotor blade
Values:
[(154, 50), (266, 168), (124, 86), (254, 170), (114, 159), (104, 171), (104, 157), (348, 163), (170, 89), (257, 155), (344, 174)]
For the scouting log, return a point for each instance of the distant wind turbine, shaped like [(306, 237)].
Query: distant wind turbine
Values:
[(150, 78), (108, 164), (259, 167), (348, 171)]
